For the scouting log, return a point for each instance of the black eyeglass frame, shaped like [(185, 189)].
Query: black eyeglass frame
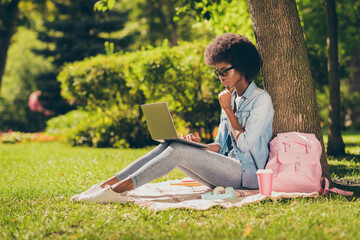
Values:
[(224, 72)]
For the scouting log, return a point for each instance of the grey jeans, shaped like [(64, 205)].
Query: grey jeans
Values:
[(209, 168)]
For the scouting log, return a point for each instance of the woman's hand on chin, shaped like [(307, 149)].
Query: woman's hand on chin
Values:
[(225, 99)]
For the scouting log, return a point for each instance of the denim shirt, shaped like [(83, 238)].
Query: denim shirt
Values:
[(255, 114)]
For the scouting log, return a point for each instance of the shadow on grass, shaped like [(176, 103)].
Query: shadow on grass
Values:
[(345, 165), (346, 187), (343, 170), (352, 144), (345, 173), (346, 157)]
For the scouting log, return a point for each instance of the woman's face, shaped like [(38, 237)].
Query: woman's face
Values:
[(228, 75)]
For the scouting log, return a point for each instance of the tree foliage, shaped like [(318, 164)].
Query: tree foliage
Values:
[(220, 15), (76, 31)]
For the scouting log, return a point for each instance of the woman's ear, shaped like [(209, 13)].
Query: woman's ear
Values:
[(242, 76)]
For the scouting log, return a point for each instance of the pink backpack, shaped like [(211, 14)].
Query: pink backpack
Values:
[(295, 162)]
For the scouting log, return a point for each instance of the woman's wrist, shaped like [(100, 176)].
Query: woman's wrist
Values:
[(214, 147), (228, 109)]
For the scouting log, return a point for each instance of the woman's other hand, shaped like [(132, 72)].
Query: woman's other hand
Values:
[(225, 99), (190, 137)]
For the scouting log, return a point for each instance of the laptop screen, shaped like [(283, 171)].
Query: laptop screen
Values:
[(159, 121)]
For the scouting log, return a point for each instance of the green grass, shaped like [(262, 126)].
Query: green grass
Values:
[(37, 180), (346, 169)]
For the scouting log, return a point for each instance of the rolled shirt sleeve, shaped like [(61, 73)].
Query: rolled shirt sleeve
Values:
[(222, 134)]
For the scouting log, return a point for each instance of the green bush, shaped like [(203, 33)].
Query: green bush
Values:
[(61, 125), (96, 129), (115, 86)]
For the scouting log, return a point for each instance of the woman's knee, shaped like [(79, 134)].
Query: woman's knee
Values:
[(172, 150), (177, 146), (179, 150)]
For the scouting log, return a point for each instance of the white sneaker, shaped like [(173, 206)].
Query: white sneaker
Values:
[(90, 191), (106, 195)]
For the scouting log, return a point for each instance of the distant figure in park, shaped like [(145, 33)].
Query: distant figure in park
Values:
[(35, 105), (242, 142)]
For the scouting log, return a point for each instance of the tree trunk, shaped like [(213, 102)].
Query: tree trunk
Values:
[(335, 142), (8, 23), (286, 69), (174, 35)]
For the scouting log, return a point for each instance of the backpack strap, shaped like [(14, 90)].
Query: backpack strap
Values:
[(326, 190), (307, 146)]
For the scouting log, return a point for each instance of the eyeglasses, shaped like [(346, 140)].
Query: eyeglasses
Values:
[(223, 72)]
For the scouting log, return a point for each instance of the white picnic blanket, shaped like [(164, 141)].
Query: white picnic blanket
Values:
[(163, 195)]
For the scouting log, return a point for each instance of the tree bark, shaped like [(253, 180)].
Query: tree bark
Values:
[(8, 19), (285, 68), (335, 142)]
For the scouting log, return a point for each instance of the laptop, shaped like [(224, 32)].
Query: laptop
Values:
[(161, 125)]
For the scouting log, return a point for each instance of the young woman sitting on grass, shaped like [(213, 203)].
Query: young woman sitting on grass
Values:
[(241, 145)]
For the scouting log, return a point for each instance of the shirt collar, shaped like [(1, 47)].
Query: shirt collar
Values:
[(248, 92)]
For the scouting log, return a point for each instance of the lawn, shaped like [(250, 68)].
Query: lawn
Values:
[(37, 180)]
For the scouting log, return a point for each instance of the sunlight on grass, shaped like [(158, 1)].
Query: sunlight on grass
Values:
[(351, 140)]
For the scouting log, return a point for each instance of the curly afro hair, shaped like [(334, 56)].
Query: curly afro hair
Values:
[(236, 50)]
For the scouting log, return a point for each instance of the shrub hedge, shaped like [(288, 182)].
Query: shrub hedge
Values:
[(112, 88)]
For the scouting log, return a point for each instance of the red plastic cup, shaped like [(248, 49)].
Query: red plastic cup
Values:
[(264, 177)]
